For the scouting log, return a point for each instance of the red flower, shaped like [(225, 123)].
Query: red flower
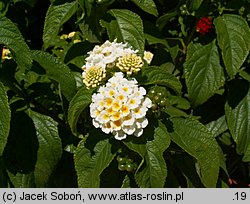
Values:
[(204, 25)]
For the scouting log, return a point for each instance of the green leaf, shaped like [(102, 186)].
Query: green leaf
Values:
[(5, 117), (203, 72), (126, 182), (218, 126), (80, 101), (126, 27), (11, 37), (50, 148), (153, 171), (147, 6), (57, 71), (89, 166), (233, 37), (238, 116), (56, 16), (159, 75), (193, 5), (20, 180), (197, 141)]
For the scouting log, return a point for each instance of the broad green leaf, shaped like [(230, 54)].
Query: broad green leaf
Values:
[(179, 102), (159, 75), (20, 180), (147, 6), (233, 37), (197, 141), (203, 72), (127, 27), (153, 171), (238, 116), (80, 101), (89, 165), (57, 71), (4, 118), (56, 16), (50, 148), (11, 37), (218, 126), (165, 18), (193, 5)]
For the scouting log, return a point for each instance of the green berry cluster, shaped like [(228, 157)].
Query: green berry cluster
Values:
[(125, 163), (158, 96), (184, 10)]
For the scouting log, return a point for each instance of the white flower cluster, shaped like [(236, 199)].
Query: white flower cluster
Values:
[(107, 54), (120, 107)]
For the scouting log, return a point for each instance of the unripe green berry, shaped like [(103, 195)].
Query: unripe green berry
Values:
[(163, 102), (156, 99), (121, 160), (129, 167), (122, 167), (154, 106)]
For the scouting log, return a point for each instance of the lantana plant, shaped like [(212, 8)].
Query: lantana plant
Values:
[(139, 93)]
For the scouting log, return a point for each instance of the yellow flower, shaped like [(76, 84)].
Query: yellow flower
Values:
[(148, 56), (93, 76), (6, 54), (130, 63)]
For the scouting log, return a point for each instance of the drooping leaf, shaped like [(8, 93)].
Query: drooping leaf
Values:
[(160, 76), (89, 165), (80, 101), (147, 6), (125, 26), (11, 37), (56, 16), (197, 141), (57, 71), (203, 72), (218, 126), (50, 148), (5, 117), (238, 116), (193, 5), (233, 38), (153, 171)]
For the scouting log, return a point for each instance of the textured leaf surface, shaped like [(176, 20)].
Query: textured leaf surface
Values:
[(57, 71), (153, 171), (238, 116), (4, 118), (196, 140), (147, 5), (50, 148), (160, 76), (218, 126), (233, 37), (193, 4), (56, 16), (89, 166), (11, 37), (126, 27), (22, 180), (80, 101), (203, 72)]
